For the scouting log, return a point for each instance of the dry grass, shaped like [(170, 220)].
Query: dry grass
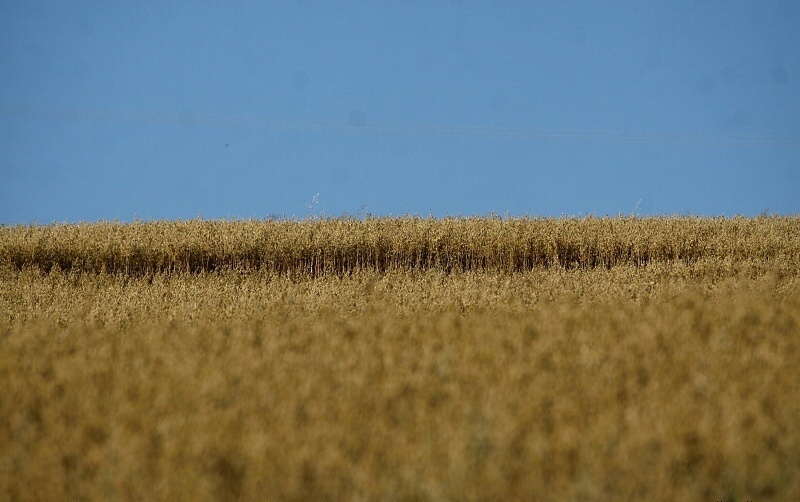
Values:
[(321, 247), (480, 359)]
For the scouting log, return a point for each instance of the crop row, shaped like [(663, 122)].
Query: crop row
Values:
[(342, 246)]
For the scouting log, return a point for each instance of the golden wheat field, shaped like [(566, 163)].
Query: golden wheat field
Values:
[(401, 359)]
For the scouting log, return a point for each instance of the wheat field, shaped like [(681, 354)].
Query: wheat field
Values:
[(401, 359)]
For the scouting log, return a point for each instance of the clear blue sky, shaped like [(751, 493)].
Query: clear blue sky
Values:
[(239, 109)]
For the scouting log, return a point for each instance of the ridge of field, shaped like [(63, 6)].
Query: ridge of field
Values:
[(670, 377), (340, 246)]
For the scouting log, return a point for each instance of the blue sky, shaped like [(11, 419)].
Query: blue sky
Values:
[(238, 109)]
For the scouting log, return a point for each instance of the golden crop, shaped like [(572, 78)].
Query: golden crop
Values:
[(401, 359), (320, 247)]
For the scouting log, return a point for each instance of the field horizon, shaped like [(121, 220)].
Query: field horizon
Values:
[(617, 358), (323, 246)]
